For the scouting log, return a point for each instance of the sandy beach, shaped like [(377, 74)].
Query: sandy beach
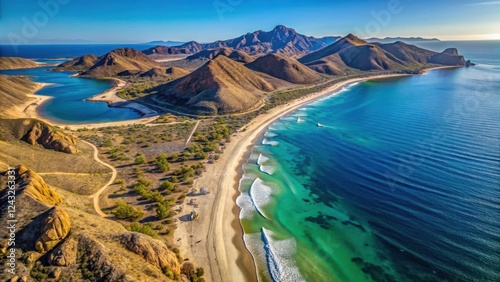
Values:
[(29, 108), (222, 247), (111, 97)]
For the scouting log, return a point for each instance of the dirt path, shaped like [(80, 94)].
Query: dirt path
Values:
[(64, 173), (95, 196), (192, 132)]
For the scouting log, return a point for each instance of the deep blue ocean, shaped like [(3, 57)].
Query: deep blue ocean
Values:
[(56, 51), (402, 182)]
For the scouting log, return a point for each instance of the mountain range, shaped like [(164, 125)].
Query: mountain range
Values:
[(281, 40), (351, 52), (237, 74), (229, 84)]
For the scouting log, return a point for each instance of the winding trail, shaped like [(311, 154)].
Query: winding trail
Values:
[(96, 195)]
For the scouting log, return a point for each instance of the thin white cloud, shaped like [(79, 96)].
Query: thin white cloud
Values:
[(484, 3)]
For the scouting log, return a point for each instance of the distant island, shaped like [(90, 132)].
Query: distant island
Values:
[(164, 43)]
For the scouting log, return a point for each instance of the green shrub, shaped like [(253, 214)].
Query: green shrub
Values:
[(144, 229), (123, 210), (162, 211), (182, 197), (162, 163), (140, 160), (167, 185)]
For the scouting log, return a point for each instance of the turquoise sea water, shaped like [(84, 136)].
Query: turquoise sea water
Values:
[(402, 183), (68, 104)]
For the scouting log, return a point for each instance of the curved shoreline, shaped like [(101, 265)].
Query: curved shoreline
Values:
[(31, 109), (229, 259), (111, 98), (241, 149)]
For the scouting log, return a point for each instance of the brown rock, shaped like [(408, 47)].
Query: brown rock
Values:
[(41, 133), (153, 251), (55, 228), (65, 254), (34, 185), (32, 257), (56, 273)]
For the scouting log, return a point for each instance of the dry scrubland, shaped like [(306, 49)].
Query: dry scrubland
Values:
[(156, 170)]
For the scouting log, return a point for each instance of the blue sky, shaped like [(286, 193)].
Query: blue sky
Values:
[(113, 21)]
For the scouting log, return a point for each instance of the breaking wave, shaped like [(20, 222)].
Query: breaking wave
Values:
[(260, 195), (267, 142), (280, 258)]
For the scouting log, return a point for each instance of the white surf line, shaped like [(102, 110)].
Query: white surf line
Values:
[(96, 195)]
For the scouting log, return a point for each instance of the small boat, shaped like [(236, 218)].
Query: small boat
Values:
[(299, 120), (320, 125)]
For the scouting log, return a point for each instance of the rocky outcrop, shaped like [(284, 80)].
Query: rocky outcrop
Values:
[(451, 51), (98, 262), (153, 251), (33, 185), (43, 134), (468, 63), (448, 57), (64, 254), (55, 228)]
